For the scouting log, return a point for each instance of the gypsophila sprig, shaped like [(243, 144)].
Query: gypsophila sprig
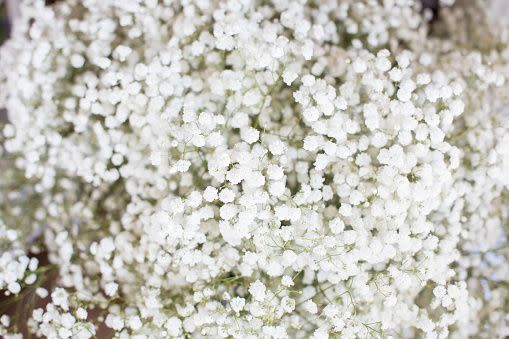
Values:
[(257, 169)]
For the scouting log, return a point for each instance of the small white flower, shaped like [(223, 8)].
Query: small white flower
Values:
[(310, 307), (110, 289), (41, 292), (81, 313), (311, 114), (210, 194), (287, 281), (67, 320), (257, 290), (359, 66), (60, 298), (226, 195), (114, 322), (237, 304), (14, 287), (77, 61), (135, 323)]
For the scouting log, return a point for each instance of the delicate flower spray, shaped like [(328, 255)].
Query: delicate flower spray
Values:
[(256, 169)]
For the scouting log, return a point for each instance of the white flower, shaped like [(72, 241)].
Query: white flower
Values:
[(67, 320), (439, 291), (359, 66), (288, 304), (250, 135), (257, 290), (64, 333), (114, 321), (77, 61), (310, 306), (237, 304), (60, 297), (277, 147), (14, 287), (226, 195), (110, 288), (287, 281), (81, 313), (41, 292), (174, 326), (135, 323), (311, 114), (210, 194)]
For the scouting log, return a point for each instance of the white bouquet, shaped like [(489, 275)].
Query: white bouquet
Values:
[(256, 169)]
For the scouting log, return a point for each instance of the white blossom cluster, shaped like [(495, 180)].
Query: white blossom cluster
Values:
[(260, 169), (15, 266)]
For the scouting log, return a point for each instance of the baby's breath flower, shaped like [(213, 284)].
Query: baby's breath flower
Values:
[(289, 169)]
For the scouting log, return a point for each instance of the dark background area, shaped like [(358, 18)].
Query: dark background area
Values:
[(4, 34), (4, 23)]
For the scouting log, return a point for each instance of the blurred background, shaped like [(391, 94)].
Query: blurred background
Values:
[(4, 23), (4, 34)]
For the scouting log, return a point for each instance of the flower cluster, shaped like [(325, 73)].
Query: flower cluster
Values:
[(259, 169), (58, 320)]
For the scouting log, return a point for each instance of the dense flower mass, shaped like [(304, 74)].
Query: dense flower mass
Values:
[(256, 169)]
